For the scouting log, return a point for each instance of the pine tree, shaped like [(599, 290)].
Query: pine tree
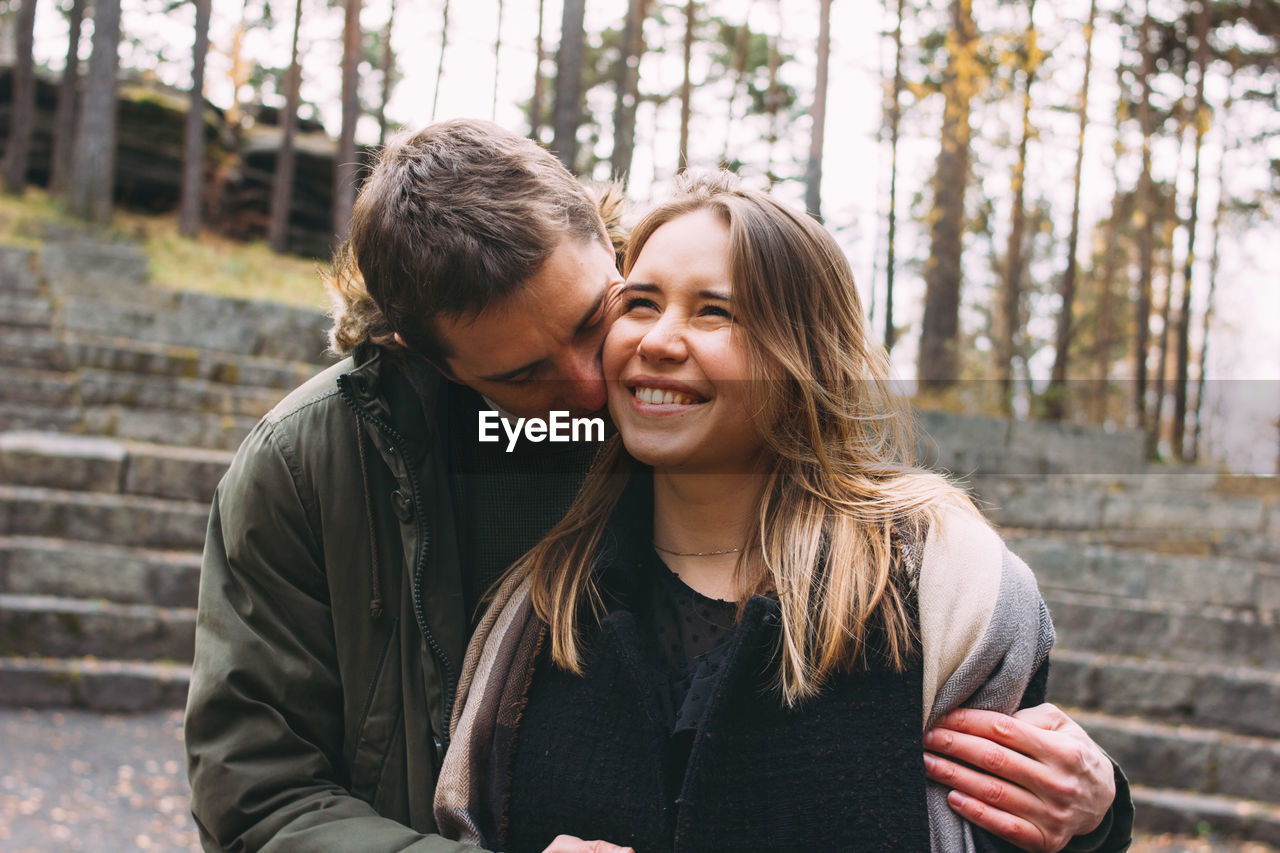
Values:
[(93, 170), (346, 168), (193, 146), (1056, 403), (568, 100), (939, 365), (1009, 310), (818, 114), (64, 121), (282, 180), (627, 88), (686, 86), (22, 104), (1200, 122)]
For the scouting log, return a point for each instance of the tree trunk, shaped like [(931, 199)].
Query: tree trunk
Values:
[(1162, 361), (22, 104), (1146, 235), (1214, 261), (738, 67), (939, 365), (444, 45), (568, 106), (813, 172), (346, 169), (497, 64), (64, 121), (686, 86), (773, 100), (93, 169), (1200, 121), (1110, 260), (627, 88), (282, 180), (1009, 313), (895, 122), (193, 143), (535, 103), (1057, 394), (388, 72)]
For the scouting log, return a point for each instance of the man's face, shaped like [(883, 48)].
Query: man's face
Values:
[(538, 350)]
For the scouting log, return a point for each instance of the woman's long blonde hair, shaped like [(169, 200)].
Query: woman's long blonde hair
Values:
[(841, 490)]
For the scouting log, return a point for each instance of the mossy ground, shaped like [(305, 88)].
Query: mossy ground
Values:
[(210, 264)]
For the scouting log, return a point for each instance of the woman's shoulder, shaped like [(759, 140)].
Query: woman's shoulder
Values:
[(968, 579)]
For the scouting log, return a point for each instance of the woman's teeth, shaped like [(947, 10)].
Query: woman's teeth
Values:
[(660, 397)]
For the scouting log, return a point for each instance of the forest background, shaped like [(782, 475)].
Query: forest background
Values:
[(984, 163)]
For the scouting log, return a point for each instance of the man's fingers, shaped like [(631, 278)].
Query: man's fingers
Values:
[(983, 787), (573, 844), (1017, 734), (986, 755), (1022, 834)]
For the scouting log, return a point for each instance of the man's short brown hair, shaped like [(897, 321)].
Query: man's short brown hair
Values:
[(452, 218)]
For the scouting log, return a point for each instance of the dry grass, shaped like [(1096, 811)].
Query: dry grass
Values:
[(210, 264)]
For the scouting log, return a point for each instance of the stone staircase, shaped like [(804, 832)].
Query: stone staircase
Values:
[(1165, 592), (120, 406)]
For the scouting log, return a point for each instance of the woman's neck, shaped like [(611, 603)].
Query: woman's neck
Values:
[(695, 515)]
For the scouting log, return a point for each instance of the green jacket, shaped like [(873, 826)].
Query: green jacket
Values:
[(331, 627)]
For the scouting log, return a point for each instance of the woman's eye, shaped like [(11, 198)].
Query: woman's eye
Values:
[(717, 311), (640, 302)]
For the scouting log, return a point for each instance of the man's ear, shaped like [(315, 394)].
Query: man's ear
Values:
[(442, 368)]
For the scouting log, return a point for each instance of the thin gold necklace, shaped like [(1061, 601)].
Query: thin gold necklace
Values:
[(694, 553)]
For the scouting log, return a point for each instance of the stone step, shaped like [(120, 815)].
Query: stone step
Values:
[(173, 394), (113, 519), (36, 565), (159, 316), (183, 429), (1163, 631), (98, 685), (1083, 563), (157, 426), (1187, 758), (18, 270), (1237, 699), (1053, 505), (95, 464), (53, 626), (33, 387), (30, 347), (1163, 810), (25, 309), (83, 350)]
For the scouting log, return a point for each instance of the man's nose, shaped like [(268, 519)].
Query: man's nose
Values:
[(584, 389)]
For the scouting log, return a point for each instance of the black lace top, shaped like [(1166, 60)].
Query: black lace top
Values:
[(688, 633)]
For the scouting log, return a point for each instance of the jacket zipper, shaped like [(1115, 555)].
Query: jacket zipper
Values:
[(420, 561)]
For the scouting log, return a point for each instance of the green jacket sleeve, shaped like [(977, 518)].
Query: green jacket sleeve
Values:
[(264, 727)]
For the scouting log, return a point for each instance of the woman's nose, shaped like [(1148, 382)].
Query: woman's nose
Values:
[(664, 341)]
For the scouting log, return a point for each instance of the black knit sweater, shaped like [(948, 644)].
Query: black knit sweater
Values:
[(594, 756)]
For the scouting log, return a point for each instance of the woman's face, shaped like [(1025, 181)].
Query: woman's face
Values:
[(674, 361)]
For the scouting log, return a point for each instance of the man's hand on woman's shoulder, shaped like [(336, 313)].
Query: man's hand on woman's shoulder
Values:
[(1040, 780)]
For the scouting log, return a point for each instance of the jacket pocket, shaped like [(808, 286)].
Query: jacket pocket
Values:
[(378, 721)]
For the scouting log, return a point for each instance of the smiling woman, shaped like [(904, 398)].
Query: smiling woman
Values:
[(739, 632)]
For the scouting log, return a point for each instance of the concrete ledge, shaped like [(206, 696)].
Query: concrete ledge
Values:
[(108, 686), (72, 627)]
